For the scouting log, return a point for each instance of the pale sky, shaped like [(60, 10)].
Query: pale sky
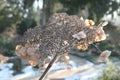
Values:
[(38, 4)]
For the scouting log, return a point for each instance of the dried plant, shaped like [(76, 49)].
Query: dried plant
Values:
[(104, 56), (62, 32)]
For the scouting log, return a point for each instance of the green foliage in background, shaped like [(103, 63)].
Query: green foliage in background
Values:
[(10, 13), (14, 12), (110, 72), (15, 17), (7, 46), (24, 25), (96, 8)]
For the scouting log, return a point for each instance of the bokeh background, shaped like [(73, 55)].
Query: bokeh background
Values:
[(16, 16)]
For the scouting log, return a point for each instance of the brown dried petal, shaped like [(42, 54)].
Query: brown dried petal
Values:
[(104, 55)]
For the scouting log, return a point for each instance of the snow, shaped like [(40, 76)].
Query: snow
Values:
[(28, 72), (6, 73)]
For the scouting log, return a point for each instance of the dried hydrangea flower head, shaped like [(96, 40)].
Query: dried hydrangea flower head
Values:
[(58, 36)]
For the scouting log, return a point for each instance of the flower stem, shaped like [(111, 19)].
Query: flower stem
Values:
[(48, 67)]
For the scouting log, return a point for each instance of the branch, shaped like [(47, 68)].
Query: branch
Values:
[(48, 67), (97, 48)]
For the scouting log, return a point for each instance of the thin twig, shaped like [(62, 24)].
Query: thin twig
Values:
[(97, 48), (48, 67)]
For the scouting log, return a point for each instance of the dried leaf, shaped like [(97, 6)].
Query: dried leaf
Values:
[(20, 51), (100, 35), (104, 55), (33, 62), (79, 35), (82, 46), (89, 23), (104, 23)]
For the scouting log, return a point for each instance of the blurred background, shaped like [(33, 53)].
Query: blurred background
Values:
[(16, 16)]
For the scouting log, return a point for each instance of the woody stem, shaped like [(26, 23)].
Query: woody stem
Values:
[(97, 48), (48, 67)]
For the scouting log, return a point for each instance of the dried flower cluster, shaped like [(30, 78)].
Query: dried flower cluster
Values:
[(58, 36)]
